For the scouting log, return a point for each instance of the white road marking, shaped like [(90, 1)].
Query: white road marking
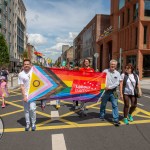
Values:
[(58, 142), (146, 96), (140, 104), (54, 115), (53, 102)]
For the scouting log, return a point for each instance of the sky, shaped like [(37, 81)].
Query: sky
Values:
[(53, 23)]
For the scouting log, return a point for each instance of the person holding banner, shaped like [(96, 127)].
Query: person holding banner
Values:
[(29, 107), (112, 82), (86, 68)]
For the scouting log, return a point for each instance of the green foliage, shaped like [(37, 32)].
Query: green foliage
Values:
[(4, 54), (24, 55)]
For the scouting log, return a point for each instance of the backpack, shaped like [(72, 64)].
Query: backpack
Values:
[(126, 78)]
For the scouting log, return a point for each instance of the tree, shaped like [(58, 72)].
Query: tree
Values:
[(4, 54), (25, 55)]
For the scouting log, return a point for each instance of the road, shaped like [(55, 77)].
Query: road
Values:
[(71, 132)]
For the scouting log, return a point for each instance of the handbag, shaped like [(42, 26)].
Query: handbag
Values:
[(137, 90)]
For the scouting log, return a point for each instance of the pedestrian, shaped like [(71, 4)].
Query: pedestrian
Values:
[(3, 90), (4, 73), (86, 68), (128, 83), (75, 103), (29, 107), (112, 82)]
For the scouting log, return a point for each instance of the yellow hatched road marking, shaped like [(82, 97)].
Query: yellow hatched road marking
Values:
[(19, 106), (16, 101), (70, 113), (120, 112), (73, 126), (11, 113), (43, 114), (68, 122), (44, 122)]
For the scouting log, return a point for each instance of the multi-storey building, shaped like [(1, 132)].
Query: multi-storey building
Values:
[(31, 53), (85, 44), (13, 27), (69, 56), (129, 41)]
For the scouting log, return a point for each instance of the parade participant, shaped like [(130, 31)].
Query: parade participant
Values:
[(4, 73), (113, 79), (75, 103), (29, 107), (3, 90), (86, 68), (128, 83)]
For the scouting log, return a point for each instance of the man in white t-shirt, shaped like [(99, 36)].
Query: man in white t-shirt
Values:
[(29, 107)]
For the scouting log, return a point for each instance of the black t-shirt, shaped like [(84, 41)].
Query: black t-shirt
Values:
[(4, 73)]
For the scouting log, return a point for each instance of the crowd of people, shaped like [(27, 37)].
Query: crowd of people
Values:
[(128, 83)]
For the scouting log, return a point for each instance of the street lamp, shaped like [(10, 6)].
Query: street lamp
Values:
[(96, 55), (120, 60)]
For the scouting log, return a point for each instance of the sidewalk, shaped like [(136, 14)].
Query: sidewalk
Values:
[(145, 85), (12, 82)]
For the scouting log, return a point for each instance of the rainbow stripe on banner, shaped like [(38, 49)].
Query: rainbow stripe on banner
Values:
[(50, 84)]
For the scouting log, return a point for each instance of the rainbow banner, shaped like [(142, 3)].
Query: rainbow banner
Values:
[(55, 83)]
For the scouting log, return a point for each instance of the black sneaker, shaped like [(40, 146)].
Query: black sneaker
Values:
[(27, 127), (102, 118), (116, 123)]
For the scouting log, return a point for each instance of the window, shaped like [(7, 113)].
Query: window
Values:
[(135, 11), (146, 65), (121, 3), (128, 15), (136, 36), (122, 19), (132, 59), (147, 8), (119, 22), (145, 34)]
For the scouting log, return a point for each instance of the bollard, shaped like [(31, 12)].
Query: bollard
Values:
[(12, 81)]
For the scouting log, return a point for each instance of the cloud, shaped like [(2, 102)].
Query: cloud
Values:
[(69, 39), (54, 23), (56, 50), (37, 39)]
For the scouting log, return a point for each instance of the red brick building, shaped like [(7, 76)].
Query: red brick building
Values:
[(129, 39), (85, 44)]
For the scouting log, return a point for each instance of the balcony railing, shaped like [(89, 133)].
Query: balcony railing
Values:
[(106, 32)]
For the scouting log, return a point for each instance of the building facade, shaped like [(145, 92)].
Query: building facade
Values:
[(31, 53), (129, 40), (85, 44), (13, 27), (69, 58)]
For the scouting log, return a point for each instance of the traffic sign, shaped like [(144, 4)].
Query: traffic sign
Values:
[(96, 55)]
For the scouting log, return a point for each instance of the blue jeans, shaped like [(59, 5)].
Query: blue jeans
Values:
[(109, 95)]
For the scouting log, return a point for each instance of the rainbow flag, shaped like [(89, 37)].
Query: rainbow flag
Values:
[(55, 83)]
